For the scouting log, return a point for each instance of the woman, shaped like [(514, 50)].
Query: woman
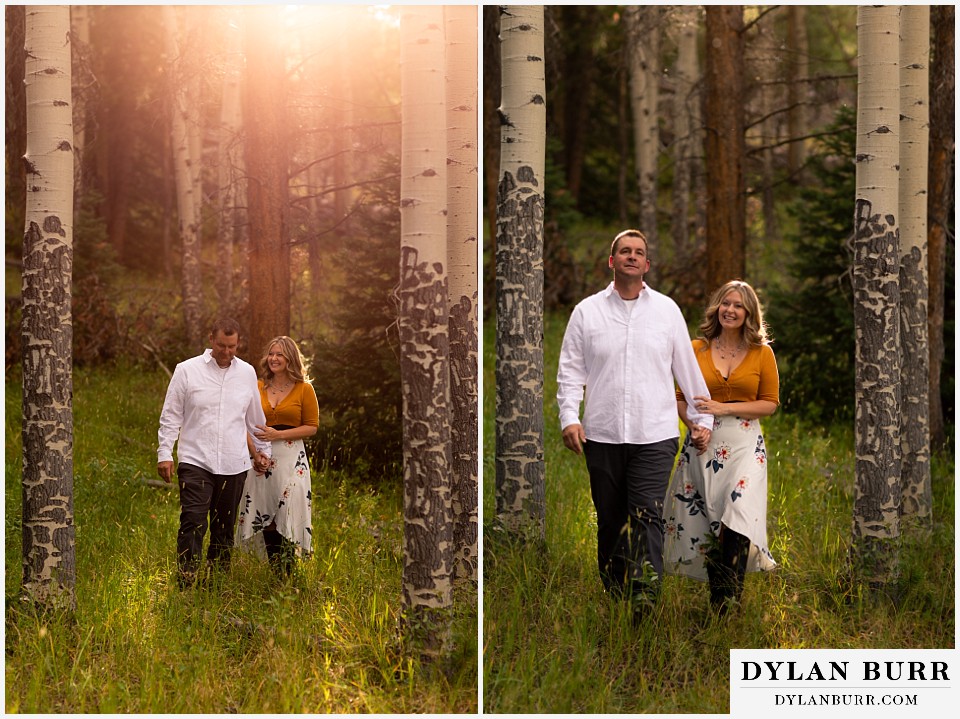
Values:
[(716, 518), (276, 503)]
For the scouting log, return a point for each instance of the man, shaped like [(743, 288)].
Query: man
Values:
[(626, 345), (212, 403)]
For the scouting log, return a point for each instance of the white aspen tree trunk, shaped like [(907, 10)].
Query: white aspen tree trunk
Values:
[(686, 100), (519, 273), (194, 50), (767, 134), (916, 501), (186, 197), (230, 158), (643, 41), (462, 178), (49, 553), (876, 512), (424, 342)]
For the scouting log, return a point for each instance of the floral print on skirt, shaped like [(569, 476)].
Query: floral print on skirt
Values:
[(281, 496), (726, 484)]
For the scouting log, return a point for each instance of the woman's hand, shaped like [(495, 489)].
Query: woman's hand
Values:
[(267, 434), (709, 406)]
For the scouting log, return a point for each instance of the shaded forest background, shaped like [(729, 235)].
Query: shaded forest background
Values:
[(799, 94), (340, 145)]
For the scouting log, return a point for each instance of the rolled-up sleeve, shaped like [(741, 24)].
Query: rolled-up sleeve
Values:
[(689, 378)]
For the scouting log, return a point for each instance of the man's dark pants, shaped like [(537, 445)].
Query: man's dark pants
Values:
[(203, 493), (628, 483)]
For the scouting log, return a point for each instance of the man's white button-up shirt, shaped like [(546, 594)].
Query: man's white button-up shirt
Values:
[(627, 354), (211, 409)]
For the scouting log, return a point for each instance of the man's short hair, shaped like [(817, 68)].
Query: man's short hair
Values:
[(626, 233), (227, 325)]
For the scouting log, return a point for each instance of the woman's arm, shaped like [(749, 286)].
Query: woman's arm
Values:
[(272, 435), (748, 410)]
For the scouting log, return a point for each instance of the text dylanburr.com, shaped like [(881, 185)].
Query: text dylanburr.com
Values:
[(856, 682)]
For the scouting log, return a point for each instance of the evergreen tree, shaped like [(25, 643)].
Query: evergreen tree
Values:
[(363, 403), (812, 319)]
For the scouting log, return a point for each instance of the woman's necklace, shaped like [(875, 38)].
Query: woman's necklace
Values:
[(727, 352), (279, 389)]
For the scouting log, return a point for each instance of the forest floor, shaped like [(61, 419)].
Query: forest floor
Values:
[(324, 641), (554, 643)]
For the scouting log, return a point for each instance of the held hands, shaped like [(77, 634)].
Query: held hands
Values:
[(574, 437), (700, 437), (261, 463)]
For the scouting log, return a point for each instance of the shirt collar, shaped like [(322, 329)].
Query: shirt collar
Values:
[(611, 290), (208, 358)]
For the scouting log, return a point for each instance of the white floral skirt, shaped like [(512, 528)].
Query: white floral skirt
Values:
[(281, 496), (726, 484)]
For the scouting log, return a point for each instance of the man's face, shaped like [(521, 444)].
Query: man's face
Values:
[(224, 347), (629, 261)]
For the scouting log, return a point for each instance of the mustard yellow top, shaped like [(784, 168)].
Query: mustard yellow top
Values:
[(756, 377), (297, 408)]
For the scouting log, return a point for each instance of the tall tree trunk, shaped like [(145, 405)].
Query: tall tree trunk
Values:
[(643, 43), (519, 372), (723, 117), (191, 279), (876, 512), (769, 60), (685, 102), (230, 163), (491, 101), (80, 61), (799, 69), (940, 198), (265, 117), (424, 340), (49, 553), (461, 102), (580, 25), (916, 502)]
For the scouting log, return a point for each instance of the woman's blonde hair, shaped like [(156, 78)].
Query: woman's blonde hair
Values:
[(754, 328), (296, 366)]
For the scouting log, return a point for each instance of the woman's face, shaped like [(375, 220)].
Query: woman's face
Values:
[(275, 359), (731, 313)]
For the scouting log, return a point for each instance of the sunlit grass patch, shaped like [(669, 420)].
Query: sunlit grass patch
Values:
[(325, 640)]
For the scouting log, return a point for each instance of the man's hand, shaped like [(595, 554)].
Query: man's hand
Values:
[(165, 470), (700, 436), (574, 437), (261, 463)]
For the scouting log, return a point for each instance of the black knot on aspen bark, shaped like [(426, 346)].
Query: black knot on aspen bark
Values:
[(438, 267), (429, 172), (52, 226), (534, 58), (60, 103), (526, 175), (64, 146), (537, 100), (525, 27), (883, 130)]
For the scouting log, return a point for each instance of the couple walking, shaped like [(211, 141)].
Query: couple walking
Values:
[(240, 451), (623, 350)]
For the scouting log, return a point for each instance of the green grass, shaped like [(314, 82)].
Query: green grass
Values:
[(325, 641), (553, 643)]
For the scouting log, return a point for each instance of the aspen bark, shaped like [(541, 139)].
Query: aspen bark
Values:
[(519, 268), (724, 145), (643, 42), (187, 200), (424, 340), (686, 123), (462, 178), (799, 69), (917, 500), (876, 513), (49, 553)]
